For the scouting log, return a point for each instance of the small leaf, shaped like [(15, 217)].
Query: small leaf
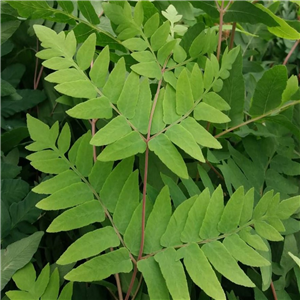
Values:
[(213, 214), (158, 221), (243, 253), (72, 195), (52, 289), (169, 106), (135, 44), (64, 139), (159, 37), (41, 283), (262, 206), (200, 134), (97, 108), (67, 291), (155, 282), (77, 89), (129, 145), (127, 202), (157, 121), (114, 183), (151, 25), (99, 173), (288, 207), (102, 266), (201, 272), (98, 72), (165, 51), (268, 91), (185, 140), (253, 239), (173, 272), (90, 244), (77, 217), (38, 130), (215, 101), (148, 69), (86, 52), (267, 231), (208, 113), (168, 154), (247, 210), (113, 131), (25, 277), (143, 56), (51, 166), (88, 11), (225, 264), (184, 95), (65, 75), (232, 212), (138, 14), (58, 63), (129, 96), (197, 82)]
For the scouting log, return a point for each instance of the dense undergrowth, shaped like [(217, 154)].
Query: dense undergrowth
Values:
[(150, 150)]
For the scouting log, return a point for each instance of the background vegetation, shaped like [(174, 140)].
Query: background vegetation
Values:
[(260, 142)]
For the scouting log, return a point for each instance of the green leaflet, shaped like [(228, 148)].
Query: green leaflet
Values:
[(141, 119), (169, 106), (208, 113), (156, 284), (97, 108), (185, 140), (51, 166), (38, 288), (88, 11), (138, 14), (102, 266), (66, 6), (267, 231), (184, 94), (72, 195), (143, 56), (253, 239), (172, 235), (17, 255), (247, 210), (135, 44), (158, 123), (58, 63), (67, 292), (231, 215), (86, 52), (168, 154), (159, 37), (225, 264), (201, 271), (78, 89), (77, 217), (52, 289), (129, 145), (90, 244), (269, 89), (197, 82), (212, 215), (165, 51), (151, 25), (291, 89), (191, 186), (99, 173), (179, 53), (195, 218), (284, 30), (25, 277), (288, 207), (262, 206), (200, 134), (116, 79), (39, 131), (57, 183), (99, 70), (173, 273), (20, 295), (70, 44), (65, 75), (64, 139), (132, 236), (114, 183), (127, 202), (129, 96), (158, 221), (113, 131), (243, 253), (148, 69), (215, 101)]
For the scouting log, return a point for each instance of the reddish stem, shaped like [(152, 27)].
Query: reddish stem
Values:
[(221, 10), (232, 35), (273, 291), (291, 52)]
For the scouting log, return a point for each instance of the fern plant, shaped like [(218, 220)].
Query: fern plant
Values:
[(154, 109)]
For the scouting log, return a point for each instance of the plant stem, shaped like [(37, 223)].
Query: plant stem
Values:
[(273, 291), (118, 281), (232, 35), (291, 52), (258, 118), (93, 125), (221, 11), (138, 287)]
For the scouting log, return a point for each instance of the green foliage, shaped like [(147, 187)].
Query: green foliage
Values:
[(176, 163)]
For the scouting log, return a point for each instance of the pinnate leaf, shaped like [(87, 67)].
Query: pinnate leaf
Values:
[(159, 37), (208, 113), (184, 94), (129, 145), (86, 52), (168, 154), (90, 244), (102, 266), (77, 89), (148, 69)]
